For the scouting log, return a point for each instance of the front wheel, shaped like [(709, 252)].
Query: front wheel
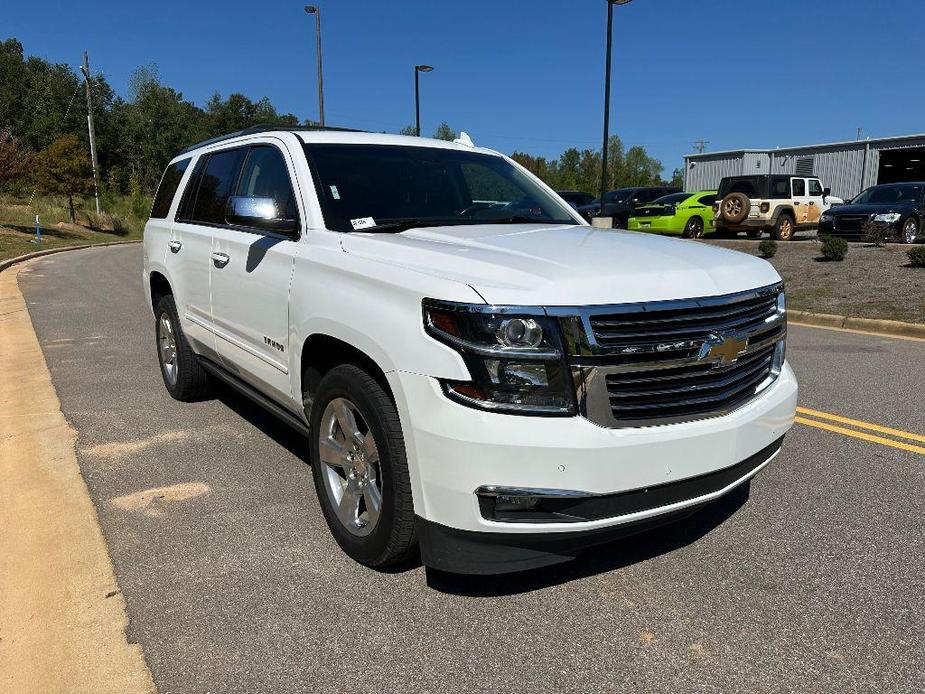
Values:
[(910, 231), (783, 229), (693, 229), (360, 468)]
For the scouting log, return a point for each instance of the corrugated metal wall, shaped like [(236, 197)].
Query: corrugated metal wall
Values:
[(845, 168)]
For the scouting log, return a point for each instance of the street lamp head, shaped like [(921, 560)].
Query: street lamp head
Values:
[(311, 9), (619, 2), (423, 68)]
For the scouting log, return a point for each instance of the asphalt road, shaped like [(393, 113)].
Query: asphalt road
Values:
[(813, 582)]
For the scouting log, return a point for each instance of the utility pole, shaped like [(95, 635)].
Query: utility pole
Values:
[(859, 134), (701, 145), (85, 68)]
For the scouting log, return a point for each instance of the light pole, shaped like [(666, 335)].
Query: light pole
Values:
[(85, 69), (610, 4), (312, 9), (418, 69)]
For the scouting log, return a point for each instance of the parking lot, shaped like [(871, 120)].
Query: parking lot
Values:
[(811, 580)]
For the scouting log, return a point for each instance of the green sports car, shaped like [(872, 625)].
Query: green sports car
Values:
[(688, 214)]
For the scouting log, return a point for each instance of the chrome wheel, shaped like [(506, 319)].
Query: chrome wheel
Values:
[(910, 230), (351, 466), (167, 348)]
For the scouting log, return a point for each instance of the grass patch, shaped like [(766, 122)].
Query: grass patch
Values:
[(17, 224)]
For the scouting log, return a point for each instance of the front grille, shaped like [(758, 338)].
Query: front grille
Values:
[(655, 363), (849, 222)]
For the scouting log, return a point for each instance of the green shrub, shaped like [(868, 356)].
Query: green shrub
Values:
[(120, 226), (767, 248), (916, 256), (876, 233), (834, 248)]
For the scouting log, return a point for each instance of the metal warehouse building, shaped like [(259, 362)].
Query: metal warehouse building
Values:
[(846, 167)]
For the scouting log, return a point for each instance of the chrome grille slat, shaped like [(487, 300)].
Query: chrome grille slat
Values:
[(731, 378), (642, 363)]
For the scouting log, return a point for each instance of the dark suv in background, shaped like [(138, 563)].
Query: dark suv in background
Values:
[(576, 198), (621, 203), (897, 208)]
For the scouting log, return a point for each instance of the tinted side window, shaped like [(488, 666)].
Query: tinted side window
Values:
[(170, 181), (815, 187), (799, 186), (218, 179), (707, 200), (265, 176)]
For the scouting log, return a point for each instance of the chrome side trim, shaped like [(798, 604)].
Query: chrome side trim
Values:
[(493, 490)]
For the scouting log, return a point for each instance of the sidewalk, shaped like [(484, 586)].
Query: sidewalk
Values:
[(62, 616)]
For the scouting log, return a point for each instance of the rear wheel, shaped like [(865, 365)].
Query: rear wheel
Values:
[(783, 228), (693, 229), (360, 468), (183, 375), (910, 230)]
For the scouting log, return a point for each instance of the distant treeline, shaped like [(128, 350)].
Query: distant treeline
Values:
[(42, 102)]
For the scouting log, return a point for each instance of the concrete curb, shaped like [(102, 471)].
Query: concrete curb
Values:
[(4, 264), (867, 325)]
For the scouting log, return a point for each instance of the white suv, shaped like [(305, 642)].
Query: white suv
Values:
[(478, 372)]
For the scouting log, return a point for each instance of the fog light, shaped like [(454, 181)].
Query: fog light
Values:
[(515, 503)]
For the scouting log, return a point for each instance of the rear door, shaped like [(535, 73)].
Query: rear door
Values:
[(800, 199), (190, 246), (251, 275)]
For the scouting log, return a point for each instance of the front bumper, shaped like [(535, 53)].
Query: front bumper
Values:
[(454, 450)]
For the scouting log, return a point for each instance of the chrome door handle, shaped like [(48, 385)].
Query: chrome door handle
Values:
[(175, 246), (220, 259)]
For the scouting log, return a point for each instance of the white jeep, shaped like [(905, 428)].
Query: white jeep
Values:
[(477, 371), (779, 204)]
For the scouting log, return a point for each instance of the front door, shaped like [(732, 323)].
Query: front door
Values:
[(800, 199), (817, 204), (251, 274)]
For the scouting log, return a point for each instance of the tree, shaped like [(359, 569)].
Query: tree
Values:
[(408, 130), (445, 132), (64, 169), (15, 159), (677, 178)]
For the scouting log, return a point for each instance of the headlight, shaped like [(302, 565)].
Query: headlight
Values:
[(888, 217), (826, 217), (515, 358)]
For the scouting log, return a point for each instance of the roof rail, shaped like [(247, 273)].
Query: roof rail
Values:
[(264, 128)]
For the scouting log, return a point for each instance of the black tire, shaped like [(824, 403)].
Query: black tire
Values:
[(754, 233), (911, 230), (784, 228), (693, 229), (734, 208), (392, 539), (187, 381), (620, 222), (722, 232)]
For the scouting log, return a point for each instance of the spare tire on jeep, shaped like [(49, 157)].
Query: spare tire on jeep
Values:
[(735, 208)]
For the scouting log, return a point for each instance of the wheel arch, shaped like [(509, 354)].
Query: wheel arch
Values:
[(158, 287), (321, 352)]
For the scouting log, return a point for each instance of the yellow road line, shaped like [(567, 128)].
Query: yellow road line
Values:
[(861, 435), (863, 425)]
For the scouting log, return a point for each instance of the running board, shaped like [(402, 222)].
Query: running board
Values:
[(252, 393)]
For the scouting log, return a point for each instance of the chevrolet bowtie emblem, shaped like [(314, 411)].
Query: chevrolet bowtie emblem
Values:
[(724, 349)]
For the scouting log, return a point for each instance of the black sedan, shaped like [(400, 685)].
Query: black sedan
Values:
[(898, 208)]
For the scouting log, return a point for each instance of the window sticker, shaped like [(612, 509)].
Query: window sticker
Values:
[(335, 193), (362, 223)]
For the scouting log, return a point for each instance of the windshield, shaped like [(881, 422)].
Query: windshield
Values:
[(380, 186), (890, 194), (672, 199), (620, 195)]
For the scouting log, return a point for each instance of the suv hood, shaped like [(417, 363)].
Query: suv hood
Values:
[(872, 208), (565, 265)]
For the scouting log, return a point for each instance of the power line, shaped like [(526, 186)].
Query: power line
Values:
[(701, 145)]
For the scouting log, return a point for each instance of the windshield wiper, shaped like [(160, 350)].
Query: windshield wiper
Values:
[(520, 219)]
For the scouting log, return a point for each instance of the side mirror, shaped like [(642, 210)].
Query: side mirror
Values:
[(826, 192), (260, 213)]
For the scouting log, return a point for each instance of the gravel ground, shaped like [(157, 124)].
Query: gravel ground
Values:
[(812, 580), (870, 283)]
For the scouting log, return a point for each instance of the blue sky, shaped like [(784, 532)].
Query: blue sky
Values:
[(524, 75)]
